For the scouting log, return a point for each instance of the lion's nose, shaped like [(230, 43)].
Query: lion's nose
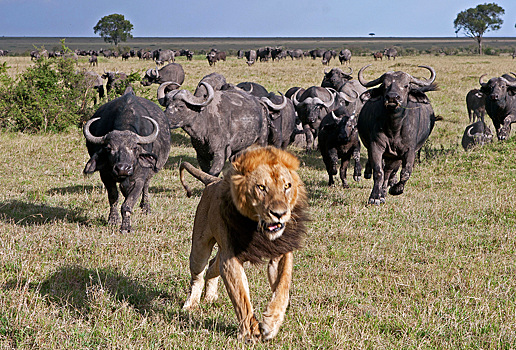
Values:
[(278, 214)]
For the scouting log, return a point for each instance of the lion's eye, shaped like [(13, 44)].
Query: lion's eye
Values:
[(288, 185), (261, 187)]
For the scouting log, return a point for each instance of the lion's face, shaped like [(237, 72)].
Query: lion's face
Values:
[(265, 188)]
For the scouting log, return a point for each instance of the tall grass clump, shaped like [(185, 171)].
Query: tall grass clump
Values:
[(47, 97)]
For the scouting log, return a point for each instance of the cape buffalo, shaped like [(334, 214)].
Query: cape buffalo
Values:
[(345, 56), (500, 103), (476, 105), (128, 140), (393, 125), (338, 139), (476, 134), (220, 125), (171, 72), (114, 79), (215, 55)]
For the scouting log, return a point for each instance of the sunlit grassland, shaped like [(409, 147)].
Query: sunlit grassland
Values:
[(432, 268)]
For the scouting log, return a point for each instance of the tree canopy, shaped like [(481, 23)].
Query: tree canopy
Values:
[(114, 28), (477, 21)]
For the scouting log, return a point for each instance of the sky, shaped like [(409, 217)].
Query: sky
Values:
[(246, 18)]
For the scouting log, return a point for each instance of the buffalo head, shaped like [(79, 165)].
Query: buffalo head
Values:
[(121, 150), (181, 105), (396, 88), (335, 78)]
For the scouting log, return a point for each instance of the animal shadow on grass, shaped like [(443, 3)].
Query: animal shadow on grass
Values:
[(179, 138), (30, 214), (75, 288)]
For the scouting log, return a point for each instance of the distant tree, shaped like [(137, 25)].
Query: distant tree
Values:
[(475, 22), (371, 34), (114, 28)]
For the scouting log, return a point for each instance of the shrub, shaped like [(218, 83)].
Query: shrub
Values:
[(50, 96)]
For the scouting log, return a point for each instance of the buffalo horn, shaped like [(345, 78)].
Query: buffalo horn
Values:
[(481, 79), (275, 107), (294, 98), (425, 82), (153, 136), (366, 83), (193, 100), (161, 91), (332, 93), (88, 135)]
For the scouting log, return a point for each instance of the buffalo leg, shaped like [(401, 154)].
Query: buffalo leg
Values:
[(131, 193), (280, 276), (343, 170), (357, 173), (330, 159), (145, 204), (112, 190), (377, 195), (406, 170), (218, 163)]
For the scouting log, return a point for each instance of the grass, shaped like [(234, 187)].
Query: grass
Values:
[(432, 268)]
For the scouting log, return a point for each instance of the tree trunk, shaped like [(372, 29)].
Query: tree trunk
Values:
[(479, 40)]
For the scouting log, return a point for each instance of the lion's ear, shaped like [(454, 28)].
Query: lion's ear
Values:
[(290, 161)]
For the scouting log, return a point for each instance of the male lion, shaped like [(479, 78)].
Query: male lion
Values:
[(257, 211)]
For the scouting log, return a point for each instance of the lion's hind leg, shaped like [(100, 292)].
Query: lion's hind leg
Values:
[(199, 256), (212, 280), (280, 276)]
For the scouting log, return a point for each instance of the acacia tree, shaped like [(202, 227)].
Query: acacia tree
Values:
[(475, 22), (114, 28)]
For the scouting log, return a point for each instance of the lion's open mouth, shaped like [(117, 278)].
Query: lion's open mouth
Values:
[(273, 228)]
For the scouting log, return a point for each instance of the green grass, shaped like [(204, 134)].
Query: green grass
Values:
[(432, 268)]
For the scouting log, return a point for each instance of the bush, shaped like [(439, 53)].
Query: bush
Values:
[(48, 97)]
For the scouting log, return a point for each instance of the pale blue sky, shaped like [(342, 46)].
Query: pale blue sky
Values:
[(244, 18)]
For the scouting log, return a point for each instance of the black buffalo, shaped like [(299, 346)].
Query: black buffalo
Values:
[(163, 56), (114, 79), (393, 125), (338, 139), (311, 106), (220, 125), (254, 89), (391, 52), (95, 81), (345, 56), (476, 134), (171, 72), (500, 103), (476, 105), (128, 140), (215, 55), (251, 57)]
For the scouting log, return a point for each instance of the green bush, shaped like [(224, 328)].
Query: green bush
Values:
[(50, 96)]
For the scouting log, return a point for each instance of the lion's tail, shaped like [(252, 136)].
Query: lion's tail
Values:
[(205, 178)]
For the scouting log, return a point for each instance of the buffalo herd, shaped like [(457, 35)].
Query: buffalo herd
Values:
[(128, 138)]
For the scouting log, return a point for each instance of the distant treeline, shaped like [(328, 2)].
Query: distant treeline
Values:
[(21, 46)]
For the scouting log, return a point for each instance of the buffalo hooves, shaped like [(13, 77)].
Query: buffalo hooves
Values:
[(376, 201), (357, 178), (396, 189), (345, 185)]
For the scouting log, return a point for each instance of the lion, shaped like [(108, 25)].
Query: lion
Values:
[(257, 211)]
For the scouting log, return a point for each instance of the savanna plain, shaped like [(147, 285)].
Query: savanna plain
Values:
[(433, 268)]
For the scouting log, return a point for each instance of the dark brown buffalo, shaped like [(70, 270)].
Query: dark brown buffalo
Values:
[(128, 140), (220, 125), (476, 105), (500, 103), (171, 72), (338, 139), (476, 134), (393, 125)]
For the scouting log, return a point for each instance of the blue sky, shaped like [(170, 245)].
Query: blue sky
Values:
[(245, 18)]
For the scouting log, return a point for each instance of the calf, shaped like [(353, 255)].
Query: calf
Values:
[(476, 134), (476, 105), (338, 139)]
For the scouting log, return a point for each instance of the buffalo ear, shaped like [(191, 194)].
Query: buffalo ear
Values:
[(91, 166), (511, 91), (418, 96), (148, 160)]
